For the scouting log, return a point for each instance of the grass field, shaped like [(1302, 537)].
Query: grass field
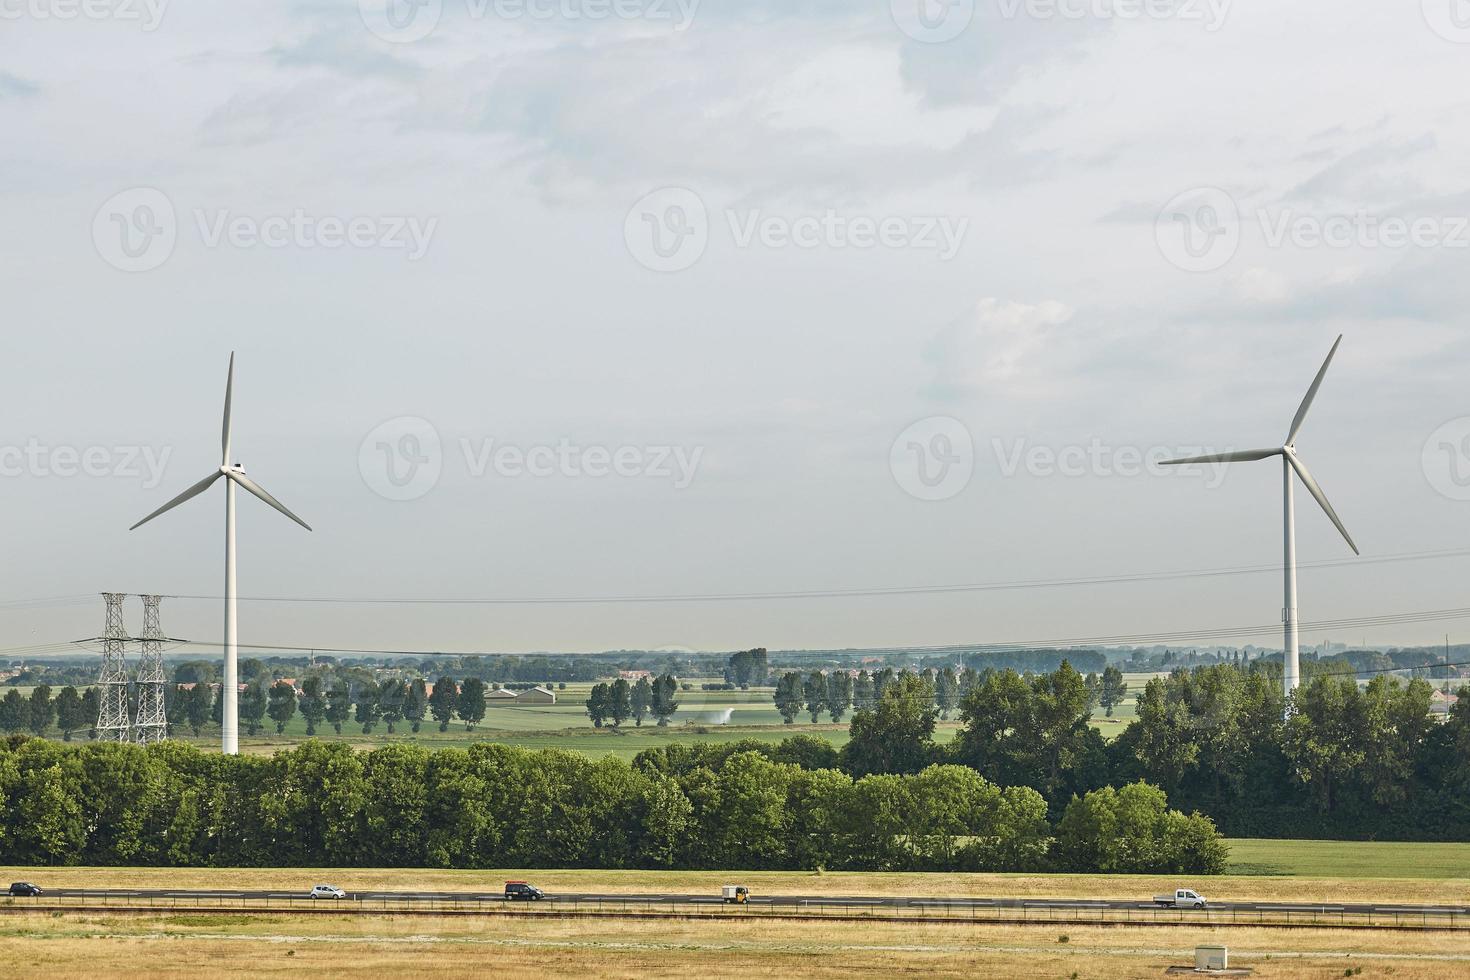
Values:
[(108, 944), (1350, 859), (371, 946)]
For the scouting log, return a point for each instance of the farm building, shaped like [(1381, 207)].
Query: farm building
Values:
[(536, 695)]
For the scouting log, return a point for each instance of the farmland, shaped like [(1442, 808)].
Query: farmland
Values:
[(270, 944), (703, 716)]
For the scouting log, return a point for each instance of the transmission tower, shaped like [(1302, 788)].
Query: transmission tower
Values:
[(112, 685), (150, 725)]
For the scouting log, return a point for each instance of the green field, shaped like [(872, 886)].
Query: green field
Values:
[(1349, 859)]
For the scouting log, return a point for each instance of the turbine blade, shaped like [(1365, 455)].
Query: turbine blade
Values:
[(193, 491), (1321, 498), (1245, 456), (224, 439), (1301, 413), (259, 491)]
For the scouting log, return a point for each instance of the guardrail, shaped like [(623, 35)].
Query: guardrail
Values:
[(937, 911)]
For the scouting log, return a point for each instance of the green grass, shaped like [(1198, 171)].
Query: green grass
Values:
[(1349, 859)]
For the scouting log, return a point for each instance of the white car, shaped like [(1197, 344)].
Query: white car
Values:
[(327, 891)]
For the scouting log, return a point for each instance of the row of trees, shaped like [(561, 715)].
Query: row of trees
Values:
[(497, 806), (366, 704), (1350, 761), (612, 704), (70, 711), (837, 692)]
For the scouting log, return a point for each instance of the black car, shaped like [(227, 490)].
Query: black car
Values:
[(520, 891), (24, 889)]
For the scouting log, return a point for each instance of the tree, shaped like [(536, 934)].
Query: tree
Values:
[(339, 705), (639, 699), (42, 711), (597, 704), (390, 701), (416, 703), (15, 712), (313, 703), (367, 712), (200, 706), (1032, 731), (788, 696), (70, 712), (281, 705), (663, 704), (895, 737), (620, 701), (472, 702), (91, 705), (862, 690), (1166, 744), (947, 692), (443, 701), (814, 692), (252, 708), (1114, 690), (839, 694), (747, 667), (1132, 831)]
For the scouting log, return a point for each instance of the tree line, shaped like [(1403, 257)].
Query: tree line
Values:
[(495, 806), (1349, 762), (837, 692), (614, 703)]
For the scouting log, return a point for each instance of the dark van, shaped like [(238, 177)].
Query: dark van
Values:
[(520, 891)]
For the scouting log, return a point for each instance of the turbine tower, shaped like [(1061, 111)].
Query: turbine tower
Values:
[(234, 475), (1290, 463)]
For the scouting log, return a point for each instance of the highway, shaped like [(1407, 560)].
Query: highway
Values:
[(794, 902)]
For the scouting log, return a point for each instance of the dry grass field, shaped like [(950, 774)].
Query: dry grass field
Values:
[(273, 944), (422, 946)]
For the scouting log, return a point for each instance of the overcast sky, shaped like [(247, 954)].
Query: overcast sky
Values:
[(595, 298)]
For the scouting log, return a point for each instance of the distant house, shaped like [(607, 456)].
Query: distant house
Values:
[(635, 675), (500, 694), (1440, 704), (536, 695)]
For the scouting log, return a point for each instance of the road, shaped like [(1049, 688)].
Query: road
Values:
[(963, 905)]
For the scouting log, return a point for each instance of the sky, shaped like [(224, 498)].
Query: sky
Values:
[(549, 299)]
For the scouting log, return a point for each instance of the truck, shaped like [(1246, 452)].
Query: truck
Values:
[(1183, 898), (735, 894)]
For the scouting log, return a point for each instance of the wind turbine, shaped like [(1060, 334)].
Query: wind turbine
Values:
[(234, 475), (1290, 463)]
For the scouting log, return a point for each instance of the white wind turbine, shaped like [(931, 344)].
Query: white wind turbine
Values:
[(1290, 462), (234, 475)]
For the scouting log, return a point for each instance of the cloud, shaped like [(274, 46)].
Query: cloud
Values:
[(13, 86), (998, 343)]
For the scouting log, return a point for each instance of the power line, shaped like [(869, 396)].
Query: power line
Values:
[(832, 593), (1133, 639)]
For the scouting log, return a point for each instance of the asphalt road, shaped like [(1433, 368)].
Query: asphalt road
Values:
[(794, 901)]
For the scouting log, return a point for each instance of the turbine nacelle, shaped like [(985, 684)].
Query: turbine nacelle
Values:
[(1287, 451), (233, 472)]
